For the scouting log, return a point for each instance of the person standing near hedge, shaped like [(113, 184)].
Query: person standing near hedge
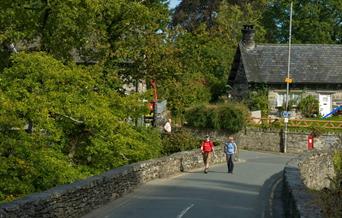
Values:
[(207, 147), (230, 149)]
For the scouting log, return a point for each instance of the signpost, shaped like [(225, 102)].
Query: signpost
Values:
[(288, 80)]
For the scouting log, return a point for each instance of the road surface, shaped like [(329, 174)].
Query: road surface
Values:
[(252, 191)]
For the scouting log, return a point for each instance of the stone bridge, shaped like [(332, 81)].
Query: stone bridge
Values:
[(81, 197)]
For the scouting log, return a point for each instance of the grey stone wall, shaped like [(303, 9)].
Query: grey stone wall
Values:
[(298, 200), (310, 171), (79, 198), (273, 140), (317, 169)]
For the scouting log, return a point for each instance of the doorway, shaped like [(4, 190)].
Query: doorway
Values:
[(325, 104)]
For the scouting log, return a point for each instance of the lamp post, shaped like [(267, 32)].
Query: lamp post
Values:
[(288, 81)]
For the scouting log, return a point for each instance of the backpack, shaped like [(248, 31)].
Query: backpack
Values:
[(230, 148)]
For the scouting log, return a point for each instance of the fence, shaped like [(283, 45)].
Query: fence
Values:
[(279, 122)]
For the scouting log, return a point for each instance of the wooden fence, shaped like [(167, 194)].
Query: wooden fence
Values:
[(328, 124)]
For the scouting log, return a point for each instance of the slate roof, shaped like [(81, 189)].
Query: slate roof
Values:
[(310, 64)]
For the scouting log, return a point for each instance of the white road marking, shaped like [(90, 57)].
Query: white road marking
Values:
[(184, 211)]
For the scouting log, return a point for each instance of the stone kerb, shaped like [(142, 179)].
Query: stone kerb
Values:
[(76, 199)]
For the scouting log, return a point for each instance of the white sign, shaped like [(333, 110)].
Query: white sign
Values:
[(286, 120)]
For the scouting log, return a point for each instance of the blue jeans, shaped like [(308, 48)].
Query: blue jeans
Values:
[(230, 162)]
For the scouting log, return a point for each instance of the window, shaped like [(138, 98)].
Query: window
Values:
[(293, 99), (281, 98)]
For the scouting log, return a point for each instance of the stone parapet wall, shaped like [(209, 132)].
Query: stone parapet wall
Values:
[(298, 200), (316, 169), (79, 198), (260, 139), (273, 140)]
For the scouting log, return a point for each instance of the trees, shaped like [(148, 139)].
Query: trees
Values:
[(313, 21), (229, 117), (59, 123), (212, 32), (89, 31), (191, 14)]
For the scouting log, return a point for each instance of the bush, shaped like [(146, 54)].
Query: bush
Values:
[(76, 122), (180, 140), (258, 100), (230, 117), (27, 168), (309, 106)]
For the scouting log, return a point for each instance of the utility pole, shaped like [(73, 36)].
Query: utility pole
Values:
[(288, 81)]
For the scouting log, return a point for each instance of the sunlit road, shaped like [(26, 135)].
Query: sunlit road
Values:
[(249, 192)]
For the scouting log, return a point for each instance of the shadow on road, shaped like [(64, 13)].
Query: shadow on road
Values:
[(214, 198), (209, 171), (270, 197)]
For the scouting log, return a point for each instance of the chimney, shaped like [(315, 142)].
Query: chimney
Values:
[(248, 33)]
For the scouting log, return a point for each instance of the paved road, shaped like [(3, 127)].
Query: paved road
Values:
[(252, 191)]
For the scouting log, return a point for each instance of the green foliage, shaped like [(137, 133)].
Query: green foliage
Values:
[(316, 22), (180, 140), (309, 106), (138, 47), (190, 14), (203, 62), (26, 167), (115, 32), (57, 121), (208, 46), (258, 100), (316, 131), (183, 93), (231, 117)]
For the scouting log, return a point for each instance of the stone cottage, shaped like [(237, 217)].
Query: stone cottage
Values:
[(316, 69)]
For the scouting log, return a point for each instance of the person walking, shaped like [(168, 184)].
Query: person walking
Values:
[(230, 149), (207, 147)]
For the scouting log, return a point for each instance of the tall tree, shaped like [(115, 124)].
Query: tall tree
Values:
[(314, 21), (75, 120), (208, 48), (81, 29), (141, 45), (191, 13), (58, 27)]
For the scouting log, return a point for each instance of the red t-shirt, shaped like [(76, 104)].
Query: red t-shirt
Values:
[(207, 146)]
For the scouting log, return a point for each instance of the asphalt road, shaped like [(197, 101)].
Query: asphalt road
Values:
[(252, 191)]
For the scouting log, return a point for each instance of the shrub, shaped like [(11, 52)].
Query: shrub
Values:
[(76, 121), (230, 117), (196, 116), (27, 168), (180, 140), (308, 106), (258, 100)]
